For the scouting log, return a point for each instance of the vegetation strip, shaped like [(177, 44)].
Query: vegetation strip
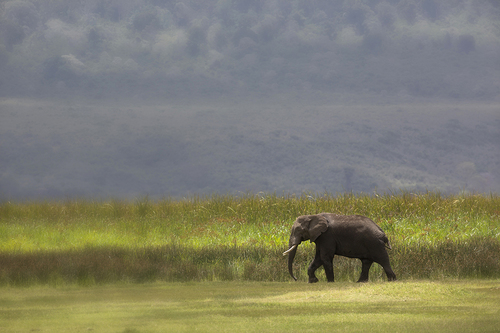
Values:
[(238, 237)]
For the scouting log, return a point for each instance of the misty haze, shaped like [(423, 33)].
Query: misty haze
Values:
[(125, 98)]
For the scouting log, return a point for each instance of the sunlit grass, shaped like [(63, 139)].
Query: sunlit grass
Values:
[(262, 220), (241, 237), (414, 306)]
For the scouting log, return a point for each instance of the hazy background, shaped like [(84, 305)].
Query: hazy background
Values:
[(126, 98)]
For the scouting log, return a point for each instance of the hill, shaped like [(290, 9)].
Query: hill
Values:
[(61, 149), (169, 49)]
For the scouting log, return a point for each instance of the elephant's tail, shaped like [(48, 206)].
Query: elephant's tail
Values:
[(385, 239)]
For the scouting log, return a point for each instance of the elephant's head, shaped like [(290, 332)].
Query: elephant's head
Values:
[(305, 227)]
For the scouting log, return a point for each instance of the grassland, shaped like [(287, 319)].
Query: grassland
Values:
[(410, 306), (226, 237), (214, 264)]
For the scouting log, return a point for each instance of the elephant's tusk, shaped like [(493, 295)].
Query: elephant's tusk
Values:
[(289, 250)]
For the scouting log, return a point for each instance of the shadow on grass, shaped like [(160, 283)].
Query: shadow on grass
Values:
[(472, 258)]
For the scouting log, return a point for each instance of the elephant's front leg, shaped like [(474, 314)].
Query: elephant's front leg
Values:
[(315, 264), (327, 260)]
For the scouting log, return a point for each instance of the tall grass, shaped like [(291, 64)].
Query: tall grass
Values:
[(226, 237)]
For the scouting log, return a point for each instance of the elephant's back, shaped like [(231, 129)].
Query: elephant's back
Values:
[(359, 223)]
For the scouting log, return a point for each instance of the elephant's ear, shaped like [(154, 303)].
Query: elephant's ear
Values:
[(318, 225)]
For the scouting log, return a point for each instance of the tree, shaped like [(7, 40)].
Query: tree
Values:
[(466, 43), (197, 38)]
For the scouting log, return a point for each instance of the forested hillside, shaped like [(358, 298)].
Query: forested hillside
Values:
[(125, 98), (57, 149), (168, 48)]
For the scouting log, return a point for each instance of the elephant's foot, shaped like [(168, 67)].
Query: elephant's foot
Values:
[(313, 279), (362, 280), (391, 276)]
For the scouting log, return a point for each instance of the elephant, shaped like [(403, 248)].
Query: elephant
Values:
[(352, 236)]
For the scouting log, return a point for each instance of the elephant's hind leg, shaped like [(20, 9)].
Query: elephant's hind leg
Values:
[(386, 265), (365, 269), (390, 273)]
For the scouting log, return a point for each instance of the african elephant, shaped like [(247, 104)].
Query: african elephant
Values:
[(352, 236)]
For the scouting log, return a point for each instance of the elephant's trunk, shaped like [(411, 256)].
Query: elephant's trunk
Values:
[(291, 255)]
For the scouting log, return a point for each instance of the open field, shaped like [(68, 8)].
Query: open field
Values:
[(223, 238), (214, 264), (411, 306)]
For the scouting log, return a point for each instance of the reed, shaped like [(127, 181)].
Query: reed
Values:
[(238, 237)]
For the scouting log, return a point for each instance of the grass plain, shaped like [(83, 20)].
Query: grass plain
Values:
[(221, 238), (214, 264), (409, 306)]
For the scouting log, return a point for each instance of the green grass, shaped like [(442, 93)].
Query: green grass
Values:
[(225, 237), (237, 220), (412, 306)]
